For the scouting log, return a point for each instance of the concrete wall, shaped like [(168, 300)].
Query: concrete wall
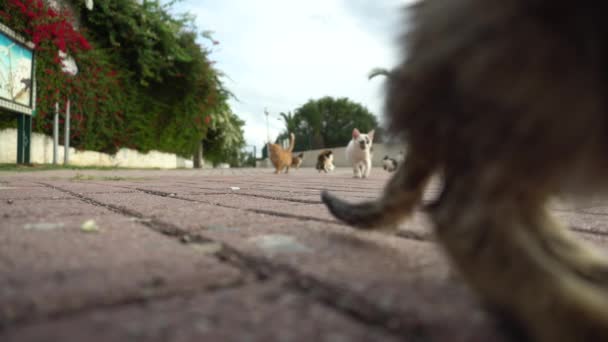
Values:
[(42, 153), (380, 150)]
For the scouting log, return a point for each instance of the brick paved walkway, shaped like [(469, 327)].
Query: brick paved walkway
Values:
[(225, 255)]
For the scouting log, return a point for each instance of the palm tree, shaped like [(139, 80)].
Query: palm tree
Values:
[(291, 122)]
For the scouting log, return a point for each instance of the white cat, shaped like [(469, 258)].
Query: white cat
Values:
[(359, 153)]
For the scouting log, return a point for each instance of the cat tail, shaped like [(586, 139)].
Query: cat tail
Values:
[(292, 142), (403, 191), (378, 72)]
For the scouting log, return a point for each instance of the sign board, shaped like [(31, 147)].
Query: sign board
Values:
[(17, 82)]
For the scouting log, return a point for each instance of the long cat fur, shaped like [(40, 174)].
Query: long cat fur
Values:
[(325, 161), (281, 158), (506, 101)]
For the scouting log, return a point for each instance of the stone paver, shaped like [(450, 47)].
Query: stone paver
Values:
[(263, 312), (51, 266), (230, 255)]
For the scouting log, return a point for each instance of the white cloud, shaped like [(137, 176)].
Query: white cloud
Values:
[(278, 53)]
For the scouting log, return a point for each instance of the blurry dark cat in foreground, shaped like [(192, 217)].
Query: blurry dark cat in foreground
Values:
[(507, 102)]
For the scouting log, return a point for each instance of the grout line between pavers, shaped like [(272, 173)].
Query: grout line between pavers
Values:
[(294, 216), (6, 325), (588, 231), (307, 185), (172, 195), (159, 226), (237, 193), (294, 200), (409, 235), (43, 198), (167, 194), (349, 303), (256, 211)]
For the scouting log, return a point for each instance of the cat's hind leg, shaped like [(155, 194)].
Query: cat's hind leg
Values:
[(522, 263)]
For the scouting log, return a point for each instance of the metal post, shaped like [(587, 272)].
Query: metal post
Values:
[(66, 144), (267, 127), (20, 137), (27, 146), (56, 134), (24, 135)]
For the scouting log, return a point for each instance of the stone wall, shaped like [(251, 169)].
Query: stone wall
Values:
[(42, 153)]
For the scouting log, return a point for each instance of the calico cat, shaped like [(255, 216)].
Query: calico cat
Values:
[(296, 161), (325, 161), (280, 158), (506, 102), (389, 164), (359, 153)]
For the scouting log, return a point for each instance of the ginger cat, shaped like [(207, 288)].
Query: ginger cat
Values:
[(280, 158), (506, 102)]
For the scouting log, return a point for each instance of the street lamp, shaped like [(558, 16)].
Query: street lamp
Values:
[(267, 126), (283, 142)]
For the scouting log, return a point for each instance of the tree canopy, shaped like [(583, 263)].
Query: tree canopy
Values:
[(327, 122)]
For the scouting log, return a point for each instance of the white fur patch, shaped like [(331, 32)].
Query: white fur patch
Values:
[(358, 153)]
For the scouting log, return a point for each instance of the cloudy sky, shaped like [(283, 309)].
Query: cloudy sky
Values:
[(278, 54)]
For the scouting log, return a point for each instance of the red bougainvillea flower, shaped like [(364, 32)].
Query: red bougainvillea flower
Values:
[(47, 24)]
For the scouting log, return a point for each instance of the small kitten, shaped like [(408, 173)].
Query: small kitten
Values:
[(506, 102), (359, 153), (325, 161), (296, 161), (389, 164), (280, 158)]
